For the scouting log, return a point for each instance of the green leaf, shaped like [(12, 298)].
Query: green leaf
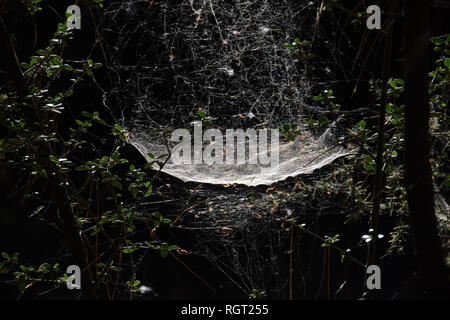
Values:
[(393, 84), (87, 114), (67, 67), (323, 121), (368, 159), (157, 215), (369, 168), (53, 159), (362, 124), (5, 255), (447, 62), (116, 184), (149, 192), (201, 113), (437, 41), (446, 183), (39, 209), (166, 220)]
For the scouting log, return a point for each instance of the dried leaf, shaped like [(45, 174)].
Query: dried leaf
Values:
[(182, 251), (226, 230), (257, 215), (272, 189)]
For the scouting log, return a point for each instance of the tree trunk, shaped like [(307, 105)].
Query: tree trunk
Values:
[(418, 173)]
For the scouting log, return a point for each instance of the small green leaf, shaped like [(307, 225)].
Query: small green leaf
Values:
[(362, 124), (368, 159), (447, 62), (87, 114), (437, 41), (323, 121), (39, 209), (201, 113), (393, 84), (67, 67), (116, 183), (53, 159)]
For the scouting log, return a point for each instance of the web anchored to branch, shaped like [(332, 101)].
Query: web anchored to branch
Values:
[(224, 57), (172, 58)]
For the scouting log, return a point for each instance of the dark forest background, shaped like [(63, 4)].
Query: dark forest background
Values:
[(73, 191)]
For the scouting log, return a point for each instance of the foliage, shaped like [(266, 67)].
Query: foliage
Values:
[(356, 176), (67, 178)]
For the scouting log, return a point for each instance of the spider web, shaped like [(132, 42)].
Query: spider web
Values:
[(169, 59)]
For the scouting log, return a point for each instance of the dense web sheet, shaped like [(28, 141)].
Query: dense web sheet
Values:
[(301, 156)]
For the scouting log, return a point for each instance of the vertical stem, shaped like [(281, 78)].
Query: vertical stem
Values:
[(379, 184), (290, 262), (76, 244), (329, 273)]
